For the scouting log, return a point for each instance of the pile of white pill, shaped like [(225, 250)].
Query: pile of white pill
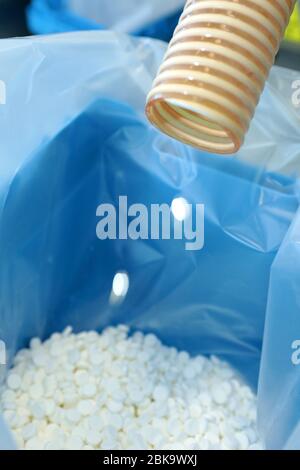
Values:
[(114, 391)]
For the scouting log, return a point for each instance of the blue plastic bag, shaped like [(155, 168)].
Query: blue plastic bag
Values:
[(88, 143), (6, 440), (152, 18), (279, 409)]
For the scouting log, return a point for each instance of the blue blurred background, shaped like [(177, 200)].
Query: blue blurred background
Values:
[(13, 23)]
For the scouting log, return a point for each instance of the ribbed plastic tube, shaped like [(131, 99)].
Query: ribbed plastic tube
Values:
[(215, 69)]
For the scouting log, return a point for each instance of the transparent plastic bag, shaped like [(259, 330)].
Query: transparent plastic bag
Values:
[(89, 143)]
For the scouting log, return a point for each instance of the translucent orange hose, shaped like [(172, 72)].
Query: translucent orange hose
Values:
[(215, 69)]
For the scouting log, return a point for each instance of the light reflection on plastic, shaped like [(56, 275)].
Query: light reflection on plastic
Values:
[(120, 287), (180, 209)]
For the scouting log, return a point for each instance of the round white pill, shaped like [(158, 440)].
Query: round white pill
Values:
[(86, 407), (34, 444), (160, 393), (114, 406), (37, 409), (14, 381), (219, 395), (36, 391), (29, 431), (88, 390), (93, 438), (35, 343)]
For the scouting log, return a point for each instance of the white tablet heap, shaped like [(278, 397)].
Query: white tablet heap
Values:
[(112, 391)]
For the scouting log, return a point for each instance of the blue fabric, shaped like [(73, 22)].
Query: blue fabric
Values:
[(88, 142), (53, 16)]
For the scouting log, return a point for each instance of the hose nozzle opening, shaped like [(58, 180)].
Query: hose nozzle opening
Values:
[(178, 120)]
